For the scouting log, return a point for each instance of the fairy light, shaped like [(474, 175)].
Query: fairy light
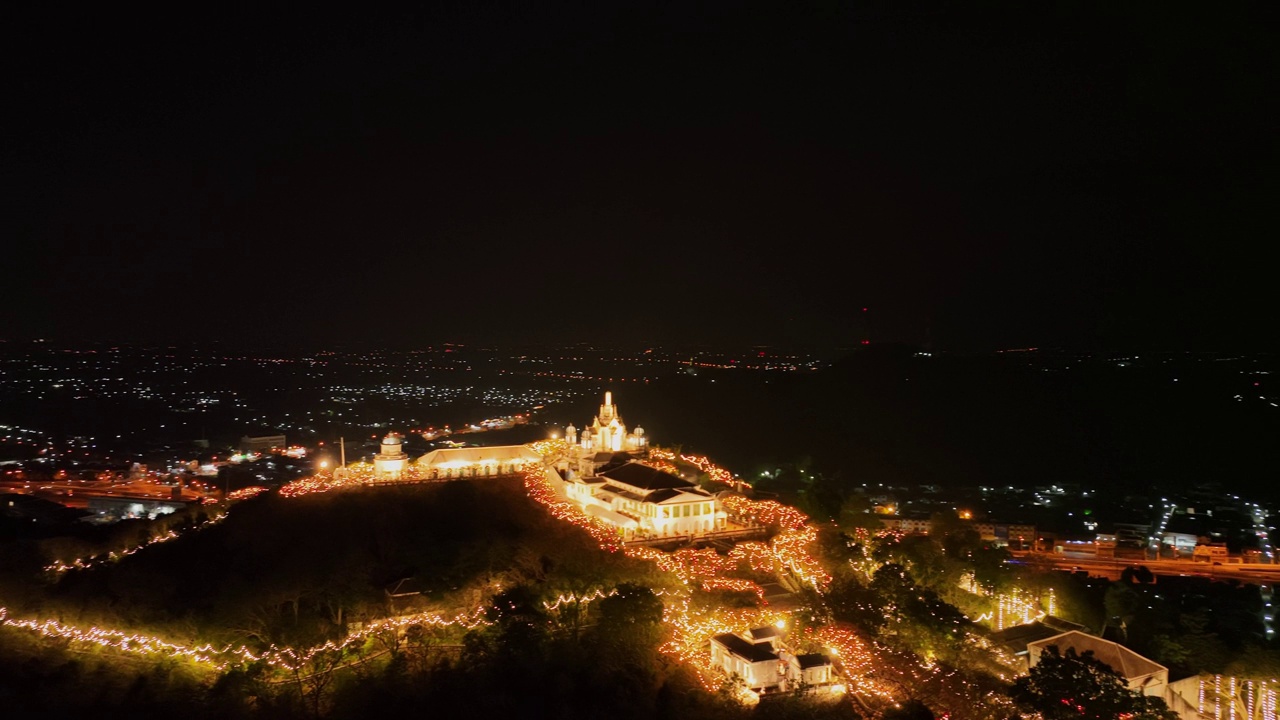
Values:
[(1257, 698), (1231, 706), (715, 472), (222, 659), (1217, 697), (867, 669), (246, 493), (58, 567)]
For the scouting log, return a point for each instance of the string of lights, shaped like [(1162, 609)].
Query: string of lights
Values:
[(58, 567)]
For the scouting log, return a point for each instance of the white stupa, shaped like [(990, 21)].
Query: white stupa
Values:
[(391, 462)]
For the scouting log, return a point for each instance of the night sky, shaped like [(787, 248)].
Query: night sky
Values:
[(981, 176)]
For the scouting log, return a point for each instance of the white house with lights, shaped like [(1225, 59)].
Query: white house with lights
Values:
[(765, 664), (644, 502), (755, 662)]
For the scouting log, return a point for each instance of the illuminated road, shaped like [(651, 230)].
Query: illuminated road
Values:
[(77, 493), (1112, 567)]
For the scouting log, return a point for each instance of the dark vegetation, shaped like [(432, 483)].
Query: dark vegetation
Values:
[(299, 572)]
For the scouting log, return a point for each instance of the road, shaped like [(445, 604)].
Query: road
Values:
[(1113, 567), (76, 493)]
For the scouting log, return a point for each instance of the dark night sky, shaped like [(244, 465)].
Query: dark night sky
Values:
[(979, 176)]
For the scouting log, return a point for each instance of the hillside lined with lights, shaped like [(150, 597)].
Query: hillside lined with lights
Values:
[(58, 567), (871, 671)]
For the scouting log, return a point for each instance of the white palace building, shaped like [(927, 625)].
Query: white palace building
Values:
[(601, 472), (603, 476)]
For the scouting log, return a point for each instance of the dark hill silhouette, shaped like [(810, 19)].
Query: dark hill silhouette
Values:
[(888, 415)]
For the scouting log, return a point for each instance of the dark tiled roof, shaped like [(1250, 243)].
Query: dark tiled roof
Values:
[(1015, 638), (753, 653), (767, 631), (628, 495), (611, 459), (810, 660), (642, 476), (658, 496)]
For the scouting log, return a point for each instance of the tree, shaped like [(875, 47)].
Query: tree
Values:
[(1121, 604), (991, 568), (1139, 574), (632, 605), (520, 620), (910, 710), (856, 512), (1073, 686)]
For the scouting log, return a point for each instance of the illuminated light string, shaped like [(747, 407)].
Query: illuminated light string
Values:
[(1255, 698), (692, 635), (58, 566), (1015, 607), (691, 631), (715, 472), (246, 493), (229, 656)]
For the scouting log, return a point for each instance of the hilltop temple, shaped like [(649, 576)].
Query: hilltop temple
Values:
[(601, 472), (606, 435), (604, 477)]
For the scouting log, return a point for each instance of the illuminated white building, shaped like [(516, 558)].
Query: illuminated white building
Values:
[(755, 662), (469, 462), (645, 502), (607, 433), (763, 661), (389, 464)]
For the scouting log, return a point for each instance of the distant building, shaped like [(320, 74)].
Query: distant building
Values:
[(1209, 552), (908, 525), (106, 508), (1132, 534), (261, 443), (1021, 535), (1180, 543), (1104, 545)]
